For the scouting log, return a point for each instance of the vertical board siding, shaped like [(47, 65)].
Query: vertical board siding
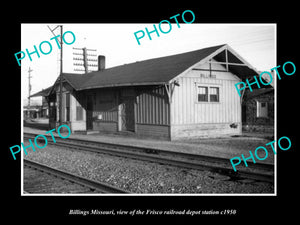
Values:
[(106, 105), (152, 107)]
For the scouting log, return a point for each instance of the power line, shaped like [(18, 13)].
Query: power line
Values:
[(85, 59), (255, 41)]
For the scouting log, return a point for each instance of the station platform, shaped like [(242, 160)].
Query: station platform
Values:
[(225, 147)]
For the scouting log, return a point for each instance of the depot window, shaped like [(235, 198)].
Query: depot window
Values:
[(214, 94), (208, 94), (202, 94)]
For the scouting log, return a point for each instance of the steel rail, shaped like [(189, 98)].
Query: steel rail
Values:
[(100, 186), (199, 163)]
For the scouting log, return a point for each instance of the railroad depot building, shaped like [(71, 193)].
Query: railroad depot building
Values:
[(185, 95)]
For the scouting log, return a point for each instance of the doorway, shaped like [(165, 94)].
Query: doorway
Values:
[(126, 110), (127, 114), (89, 112)]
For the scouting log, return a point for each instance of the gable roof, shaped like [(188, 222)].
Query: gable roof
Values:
[(258, 92), (147, 72), (159, 70), (43, 92)]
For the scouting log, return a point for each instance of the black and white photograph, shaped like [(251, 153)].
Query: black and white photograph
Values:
[(143, 116), (154, 114)]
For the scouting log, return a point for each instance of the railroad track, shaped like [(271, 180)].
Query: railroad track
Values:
[(263, 172), (45, 179)]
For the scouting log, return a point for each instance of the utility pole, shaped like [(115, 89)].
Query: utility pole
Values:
[(60, 76), (61, 70), (29, 86)]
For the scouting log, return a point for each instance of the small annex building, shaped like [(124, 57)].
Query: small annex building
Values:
[(258, 110), (190, 94), (44, 108)]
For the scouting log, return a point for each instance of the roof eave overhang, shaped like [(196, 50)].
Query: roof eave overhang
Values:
[(122, 85), (57, 82)]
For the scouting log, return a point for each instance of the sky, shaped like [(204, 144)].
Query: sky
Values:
[(256, 43)]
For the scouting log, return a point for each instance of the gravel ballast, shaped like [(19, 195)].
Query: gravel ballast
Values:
[(218, 147), (140, 176)]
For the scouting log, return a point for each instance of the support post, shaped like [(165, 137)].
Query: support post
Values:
[(226, 56), (242, 96), (209, 62), (169, 93), (170, 89)]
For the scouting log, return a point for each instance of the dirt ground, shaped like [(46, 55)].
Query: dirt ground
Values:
[(226, 147)]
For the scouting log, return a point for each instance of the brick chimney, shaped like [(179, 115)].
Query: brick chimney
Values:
[(101, 62)]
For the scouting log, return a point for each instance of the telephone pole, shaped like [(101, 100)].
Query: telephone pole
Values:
[(60, 75), (61, 70), (85, 56), (29, 86)]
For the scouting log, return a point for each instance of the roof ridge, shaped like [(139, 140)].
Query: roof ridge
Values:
[(130, 63), (201, 49)]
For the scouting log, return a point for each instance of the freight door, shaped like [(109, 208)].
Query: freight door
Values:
[(127, 114)]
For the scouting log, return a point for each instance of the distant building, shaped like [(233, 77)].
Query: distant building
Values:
[(258, 110), (43, 109), (32, 112), (185, 95)]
